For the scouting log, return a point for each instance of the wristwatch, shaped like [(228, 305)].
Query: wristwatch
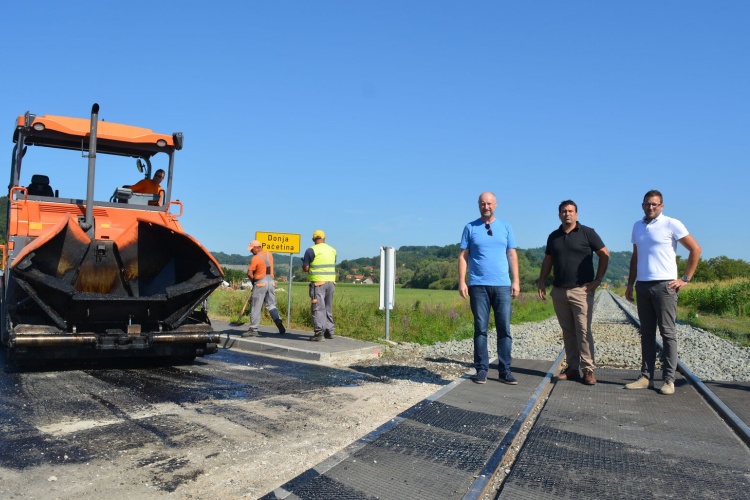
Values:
[(685, 279)]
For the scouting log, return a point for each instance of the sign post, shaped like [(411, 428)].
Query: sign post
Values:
[(282, 243), (387, 285)]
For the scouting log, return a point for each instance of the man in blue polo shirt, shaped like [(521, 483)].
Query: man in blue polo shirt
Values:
[(570, 250), (653, 273), (488, 253)]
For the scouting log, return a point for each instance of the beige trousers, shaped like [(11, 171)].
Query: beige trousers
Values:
[(574, 308)]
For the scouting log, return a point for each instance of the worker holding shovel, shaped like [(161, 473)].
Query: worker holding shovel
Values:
[(260, 272)]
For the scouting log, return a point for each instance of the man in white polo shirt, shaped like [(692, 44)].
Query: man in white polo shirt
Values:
[(653, 271)]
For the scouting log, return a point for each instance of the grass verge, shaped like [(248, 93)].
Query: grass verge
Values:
[(419, 316)]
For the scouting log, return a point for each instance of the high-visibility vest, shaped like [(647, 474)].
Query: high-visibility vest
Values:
[(323, 266)]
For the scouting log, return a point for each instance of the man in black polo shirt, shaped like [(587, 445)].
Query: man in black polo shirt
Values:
[(569, 252)]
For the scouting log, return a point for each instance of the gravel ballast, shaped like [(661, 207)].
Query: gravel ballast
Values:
[(616, 340)]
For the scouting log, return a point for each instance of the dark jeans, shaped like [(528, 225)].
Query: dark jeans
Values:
[(482, 298), (657, 307)]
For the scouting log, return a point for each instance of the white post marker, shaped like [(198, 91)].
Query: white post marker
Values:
[(387, 285), (289, 293)]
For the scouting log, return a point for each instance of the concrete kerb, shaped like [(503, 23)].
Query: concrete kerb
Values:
[(295, 344), (263, 346)]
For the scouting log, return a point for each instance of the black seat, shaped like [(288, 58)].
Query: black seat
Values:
[(40, 186)]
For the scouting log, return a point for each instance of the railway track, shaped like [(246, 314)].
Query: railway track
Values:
[(544, 439), (738, 425), (490, 481)]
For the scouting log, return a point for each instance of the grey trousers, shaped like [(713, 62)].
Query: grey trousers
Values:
[(657, 307), (321, 306), (264, 293)]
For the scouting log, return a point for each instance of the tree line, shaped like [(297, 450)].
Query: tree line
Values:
[(436, 267)]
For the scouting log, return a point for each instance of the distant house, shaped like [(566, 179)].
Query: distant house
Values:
[(236, 267), (368, 281)]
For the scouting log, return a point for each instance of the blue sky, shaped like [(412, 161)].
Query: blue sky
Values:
[(380, 122)]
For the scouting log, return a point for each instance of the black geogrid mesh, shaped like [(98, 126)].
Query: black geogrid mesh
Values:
[(559, 464), (466, 422), (735, 395), (430, 444), (599, 442), (609, 443), (435, 452), (390, 476), (325, 488)]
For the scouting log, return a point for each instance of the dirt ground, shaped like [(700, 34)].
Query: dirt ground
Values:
[(230, 427), (316, 425)]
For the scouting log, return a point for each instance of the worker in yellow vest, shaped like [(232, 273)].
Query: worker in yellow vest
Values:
[(320, 264)]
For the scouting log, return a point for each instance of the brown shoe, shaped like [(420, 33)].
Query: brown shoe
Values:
[(588, 377), (569, 374)]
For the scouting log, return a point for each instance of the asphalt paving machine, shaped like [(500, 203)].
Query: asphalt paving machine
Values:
[(99, 279)]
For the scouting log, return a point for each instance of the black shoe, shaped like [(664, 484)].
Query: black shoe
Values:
[(480, 377), (317, 337), (328, 335), (250, 333), (508, 378), (280, 326)]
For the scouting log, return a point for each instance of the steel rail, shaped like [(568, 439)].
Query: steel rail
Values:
[(735, 422), (479, 486)]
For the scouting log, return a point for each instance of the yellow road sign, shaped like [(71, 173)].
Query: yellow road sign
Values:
[(279, 242)]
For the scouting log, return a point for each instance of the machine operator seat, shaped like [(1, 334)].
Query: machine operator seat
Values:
[(40, 186)]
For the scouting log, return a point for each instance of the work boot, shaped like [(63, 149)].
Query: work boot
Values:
[(641, 383), (317, 337), (280, 326), (569, 374), (250, 333), (328, 334), (668, 388), (588, 377)]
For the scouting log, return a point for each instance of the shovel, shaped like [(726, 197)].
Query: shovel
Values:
[(242, 312)]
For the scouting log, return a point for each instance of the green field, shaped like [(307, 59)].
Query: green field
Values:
[(420, 316)]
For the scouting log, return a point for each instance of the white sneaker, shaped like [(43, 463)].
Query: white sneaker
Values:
[(667, 388), (642, 383)]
